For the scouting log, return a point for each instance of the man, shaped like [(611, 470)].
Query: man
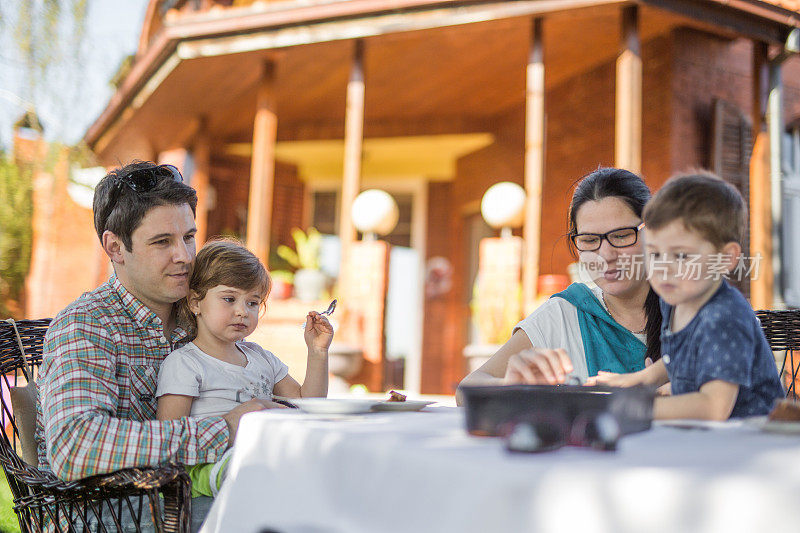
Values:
[(97, 383)]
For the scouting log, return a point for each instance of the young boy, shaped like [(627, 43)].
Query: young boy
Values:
[(714, 353)]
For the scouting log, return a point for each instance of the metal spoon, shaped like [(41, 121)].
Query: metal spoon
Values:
[(328, 311), (283, 400)]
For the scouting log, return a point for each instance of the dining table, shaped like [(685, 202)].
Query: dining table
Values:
[(294, 472)]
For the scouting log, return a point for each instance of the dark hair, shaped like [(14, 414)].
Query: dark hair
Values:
[(130, 207), (223, 262), (631, 189), (704, 203)]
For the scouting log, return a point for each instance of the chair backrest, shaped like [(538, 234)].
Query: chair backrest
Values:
[(782, 329), (14, 370), (129, 498)]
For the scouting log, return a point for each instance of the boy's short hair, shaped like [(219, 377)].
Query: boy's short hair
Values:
[(704, 203), (118, 208)]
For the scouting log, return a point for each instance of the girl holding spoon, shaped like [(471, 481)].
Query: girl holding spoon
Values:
[(218, 370)]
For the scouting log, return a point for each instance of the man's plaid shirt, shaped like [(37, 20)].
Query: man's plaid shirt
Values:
[(97, 386)]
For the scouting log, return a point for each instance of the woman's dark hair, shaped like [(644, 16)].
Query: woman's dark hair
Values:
[(631, 189)]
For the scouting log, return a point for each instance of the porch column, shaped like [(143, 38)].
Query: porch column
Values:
[(200, 180), (776, 127), (628, 120), (262, 170), (534, 164), (353, 140), (761, 286)]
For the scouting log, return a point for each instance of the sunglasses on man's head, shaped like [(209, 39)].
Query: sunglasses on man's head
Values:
[(145, 179), (140, 181)]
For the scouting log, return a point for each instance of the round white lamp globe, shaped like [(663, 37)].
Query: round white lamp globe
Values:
[(503, 205), (375, 211)]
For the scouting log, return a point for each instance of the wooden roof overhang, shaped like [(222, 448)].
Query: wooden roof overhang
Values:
[(432, 66)]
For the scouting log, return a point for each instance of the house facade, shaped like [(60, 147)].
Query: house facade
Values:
[(281, 112)]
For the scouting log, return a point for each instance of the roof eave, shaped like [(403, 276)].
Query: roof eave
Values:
[(167, 41), (163, 46)]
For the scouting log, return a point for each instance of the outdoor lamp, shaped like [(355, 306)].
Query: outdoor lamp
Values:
[(374, 212), (503, 206)]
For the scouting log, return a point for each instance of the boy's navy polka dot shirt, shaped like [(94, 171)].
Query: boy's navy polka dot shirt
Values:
[(725, 342)]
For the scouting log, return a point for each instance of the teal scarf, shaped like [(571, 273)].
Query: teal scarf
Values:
[(608, 346)]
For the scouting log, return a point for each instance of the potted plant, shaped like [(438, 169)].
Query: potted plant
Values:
[(282, 281), (494, 320), (309, 280)]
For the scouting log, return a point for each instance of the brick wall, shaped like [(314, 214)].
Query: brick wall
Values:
[(446, 319), (66, 259), (439, 328), (231, 181), (580, 137), (287, 207), (657, 73), (683, 73), (705, 68)]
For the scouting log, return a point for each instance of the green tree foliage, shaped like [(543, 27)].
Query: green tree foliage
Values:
[(49, 46), (38, 22), (16, 232), (49, 37)]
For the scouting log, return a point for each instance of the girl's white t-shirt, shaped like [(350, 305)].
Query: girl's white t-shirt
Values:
[(554, 324), (217, 386)]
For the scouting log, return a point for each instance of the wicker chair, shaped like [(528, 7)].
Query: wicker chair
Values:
[(41, 499), (782, 329)]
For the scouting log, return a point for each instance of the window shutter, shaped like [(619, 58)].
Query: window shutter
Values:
[(732, 142)]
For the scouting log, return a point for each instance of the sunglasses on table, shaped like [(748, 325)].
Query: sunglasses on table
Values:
[(618, 238), (550, 431), (140, 181)]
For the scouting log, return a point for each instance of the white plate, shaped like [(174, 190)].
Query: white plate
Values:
[(775, 426), (408, 405), (334, 406)]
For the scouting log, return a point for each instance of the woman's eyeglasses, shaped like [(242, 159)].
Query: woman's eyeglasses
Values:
[(140, 181), (618, 238)]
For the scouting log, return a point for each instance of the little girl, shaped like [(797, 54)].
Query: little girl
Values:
[(219, 370)]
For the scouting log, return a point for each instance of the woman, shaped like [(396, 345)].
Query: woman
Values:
[(580, 331)]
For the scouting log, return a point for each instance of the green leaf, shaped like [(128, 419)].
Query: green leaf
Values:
[(307, 246), (289, 255), (282, 275)]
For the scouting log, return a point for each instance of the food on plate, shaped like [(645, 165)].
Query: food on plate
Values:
[(395, 396), (785, 410)]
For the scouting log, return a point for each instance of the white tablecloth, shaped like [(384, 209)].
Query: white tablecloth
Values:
[(420, 472)]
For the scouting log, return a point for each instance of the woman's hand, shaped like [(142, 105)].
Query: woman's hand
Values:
[(318, 333), (538, 366)]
